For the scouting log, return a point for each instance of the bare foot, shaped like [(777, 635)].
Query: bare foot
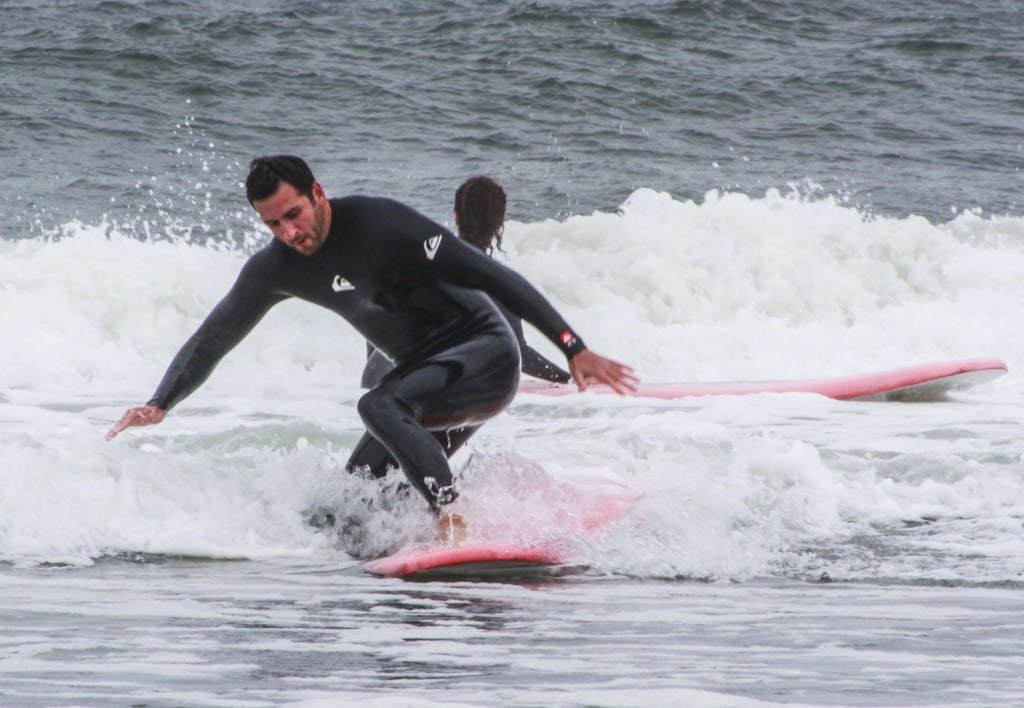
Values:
[(451, 528)]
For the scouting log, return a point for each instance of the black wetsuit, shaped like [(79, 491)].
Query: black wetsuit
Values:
[(373, 458), (411, 289), (533, 362)]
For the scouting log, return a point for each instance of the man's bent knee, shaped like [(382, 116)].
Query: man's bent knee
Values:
[(378, 407)]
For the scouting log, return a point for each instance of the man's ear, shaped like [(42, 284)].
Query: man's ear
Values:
[(319, 194)]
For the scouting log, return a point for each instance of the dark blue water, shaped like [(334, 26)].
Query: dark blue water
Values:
[(146, 114)]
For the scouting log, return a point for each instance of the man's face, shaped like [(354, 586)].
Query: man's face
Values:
[(296, 220)]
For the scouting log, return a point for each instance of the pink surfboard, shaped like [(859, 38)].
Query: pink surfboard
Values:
[(923, 382), (493, 558), (471, 560)]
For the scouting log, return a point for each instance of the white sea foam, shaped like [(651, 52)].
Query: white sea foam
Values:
[(736, 287)]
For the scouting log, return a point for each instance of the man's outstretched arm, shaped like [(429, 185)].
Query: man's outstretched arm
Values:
[(227, 325), (465, 266)]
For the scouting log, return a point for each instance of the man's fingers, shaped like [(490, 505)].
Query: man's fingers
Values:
[(620, 377), (126, 420), (588, 368), (580, 379), (622, 386), (140, 415)]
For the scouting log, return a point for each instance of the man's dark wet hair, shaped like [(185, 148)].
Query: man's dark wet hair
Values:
[(268, 172), (480, 212)]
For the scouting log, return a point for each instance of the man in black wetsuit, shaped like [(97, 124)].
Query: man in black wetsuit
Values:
[(411, 289)]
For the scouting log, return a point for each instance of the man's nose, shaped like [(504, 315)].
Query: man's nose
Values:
[(289, 231)]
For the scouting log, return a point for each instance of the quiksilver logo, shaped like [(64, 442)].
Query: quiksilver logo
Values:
[(431, 245), (340, 284)]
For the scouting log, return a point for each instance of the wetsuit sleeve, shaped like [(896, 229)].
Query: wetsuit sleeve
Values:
[(537, 365), (534, 363), (226, 325), (463, 265)]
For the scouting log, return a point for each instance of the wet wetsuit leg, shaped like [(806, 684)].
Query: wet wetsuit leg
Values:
[(371, 457), (463, 385)]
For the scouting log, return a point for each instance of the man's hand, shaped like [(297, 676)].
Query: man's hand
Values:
[(587, 368), (139, 415)]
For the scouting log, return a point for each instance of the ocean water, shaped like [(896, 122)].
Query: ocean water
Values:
[(707, 191)]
